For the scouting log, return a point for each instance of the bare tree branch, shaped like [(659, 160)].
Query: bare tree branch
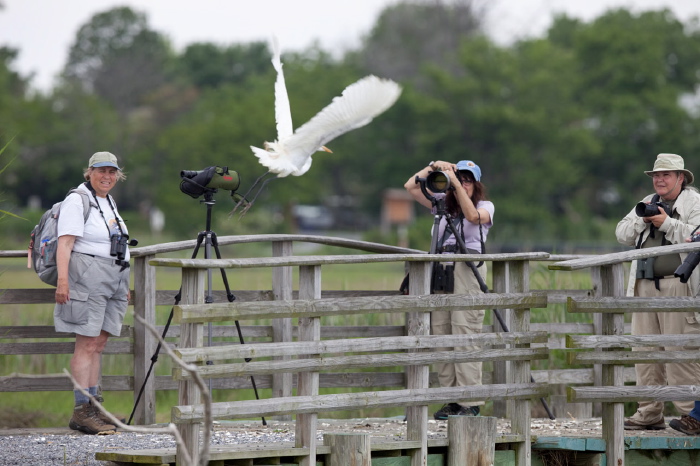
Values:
[(203, 459)]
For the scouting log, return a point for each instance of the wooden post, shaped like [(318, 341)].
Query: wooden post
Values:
[(519, 280), (144, 343), (472, 441), (191, 336), (307, 382), (499, 272), (597, 330), (417, 377), (613, 416), (282, 328), (348, 449)]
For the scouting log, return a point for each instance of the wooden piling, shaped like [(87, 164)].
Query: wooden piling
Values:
[(472, 440), (348, 449)]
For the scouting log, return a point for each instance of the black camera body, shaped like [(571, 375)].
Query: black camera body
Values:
[(691, 261), (653, 208)]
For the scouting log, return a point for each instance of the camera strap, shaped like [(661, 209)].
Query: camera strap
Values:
[(111, 206)]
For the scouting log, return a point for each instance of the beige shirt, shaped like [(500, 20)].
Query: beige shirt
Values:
[(687, 206)]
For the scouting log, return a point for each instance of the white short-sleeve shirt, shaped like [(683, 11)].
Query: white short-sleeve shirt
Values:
[(92, 236)]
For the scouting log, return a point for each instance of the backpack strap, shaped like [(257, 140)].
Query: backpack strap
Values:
[(86, 202)]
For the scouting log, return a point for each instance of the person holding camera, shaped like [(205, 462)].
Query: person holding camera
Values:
[(92, 292), (666, 217), (466, 204)]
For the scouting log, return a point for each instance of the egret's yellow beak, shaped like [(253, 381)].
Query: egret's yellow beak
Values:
[(324, 148)]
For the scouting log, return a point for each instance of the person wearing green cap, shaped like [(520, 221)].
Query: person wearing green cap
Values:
[(92, 292), (466, 203), (666, 217)]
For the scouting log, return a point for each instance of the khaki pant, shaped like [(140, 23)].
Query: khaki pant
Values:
[(664, 323), (444, 322)]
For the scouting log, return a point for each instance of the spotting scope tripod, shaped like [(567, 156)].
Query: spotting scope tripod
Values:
[(440, 213), (208, 237)]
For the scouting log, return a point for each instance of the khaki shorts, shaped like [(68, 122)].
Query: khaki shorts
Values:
[(98, 290)]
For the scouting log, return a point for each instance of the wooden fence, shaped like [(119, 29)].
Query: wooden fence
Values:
[(510, 274), (193, 314), (610, 347), (137, 342)]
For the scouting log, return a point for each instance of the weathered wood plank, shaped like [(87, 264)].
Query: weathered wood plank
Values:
[(372, 360), (617, 305), (575, 376), (366, 305), (625, 256), (631, 341), (339, 259), (620, 394), (307, 347), (59, 382), (348, 401), (112, 347), (633, 357), (48, 331)]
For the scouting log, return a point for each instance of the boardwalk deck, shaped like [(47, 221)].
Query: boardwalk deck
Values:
[(560, 441)]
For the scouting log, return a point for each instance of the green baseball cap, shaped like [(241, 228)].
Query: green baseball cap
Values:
[(103, 159)]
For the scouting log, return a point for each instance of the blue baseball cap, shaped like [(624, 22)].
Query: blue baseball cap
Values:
[(468, 165)]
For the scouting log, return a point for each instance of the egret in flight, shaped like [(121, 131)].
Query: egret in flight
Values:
[(290, 153)]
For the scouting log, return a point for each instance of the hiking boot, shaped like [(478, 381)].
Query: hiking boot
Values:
[(453, 409), (101, 415), (85, 420), (632, 424), (686, 424)]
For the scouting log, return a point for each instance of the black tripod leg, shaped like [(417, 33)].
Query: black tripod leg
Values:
[(485, 289), (231, 298), (154, 358)]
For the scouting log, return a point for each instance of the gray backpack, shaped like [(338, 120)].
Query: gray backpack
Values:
[(44, 240)]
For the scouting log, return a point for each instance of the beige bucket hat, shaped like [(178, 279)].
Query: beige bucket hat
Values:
[(671, 163)]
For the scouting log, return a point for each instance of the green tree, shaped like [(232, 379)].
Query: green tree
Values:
[(210, 65), (118, 57), (634, 69), (409, 34)]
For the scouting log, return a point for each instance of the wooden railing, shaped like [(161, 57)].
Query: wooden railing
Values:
[(509, 272), (611, 346), (193, 314)]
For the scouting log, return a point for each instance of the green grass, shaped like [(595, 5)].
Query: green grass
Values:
[(46, 409)]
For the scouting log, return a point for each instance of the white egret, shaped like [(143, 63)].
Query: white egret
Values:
[(291, 152)]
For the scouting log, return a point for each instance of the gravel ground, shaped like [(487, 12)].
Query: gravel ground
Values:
[(61, 446)]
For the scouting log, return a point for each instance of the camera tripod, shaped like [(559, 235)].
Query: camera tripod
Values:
[(208, 237), (440, 213)]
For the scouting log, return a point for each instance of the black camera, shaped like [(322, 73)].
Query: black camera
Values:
[(117, 245), (691, 261), (195, 183), (653, 208), (438, 181)]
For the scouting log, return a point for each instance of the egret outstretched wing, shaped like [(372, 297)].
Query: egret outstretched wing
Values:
[(283, 112), (290, 153), (357, 106)]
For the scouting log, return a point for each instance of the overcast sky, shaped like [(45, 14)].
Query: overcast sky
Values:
[(43, 30)]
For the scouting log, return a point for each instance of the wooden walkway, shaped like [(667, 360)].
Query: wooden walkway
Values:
[(554, 442)]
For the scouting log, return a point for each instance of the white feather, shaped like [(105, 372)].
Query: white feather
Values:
[(359, 103)]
